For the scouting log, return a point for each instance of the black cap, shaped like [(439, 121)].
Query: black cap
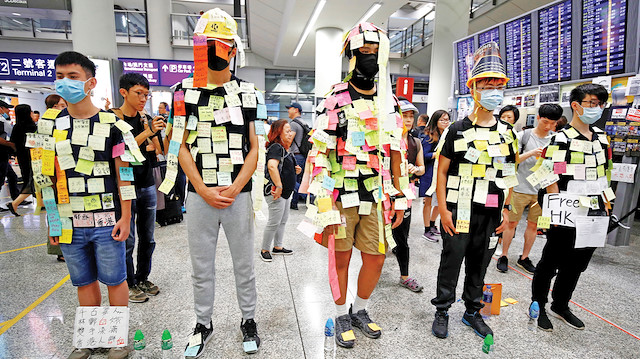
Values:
[(295, 105), (6, 105)]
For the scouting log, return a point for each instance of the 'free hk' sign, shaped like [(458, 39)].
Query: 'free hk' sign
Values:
[(563, 208)]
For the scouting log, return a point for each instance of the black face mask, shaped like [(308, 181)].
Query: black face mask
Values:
[(365, 70), (215, 63)]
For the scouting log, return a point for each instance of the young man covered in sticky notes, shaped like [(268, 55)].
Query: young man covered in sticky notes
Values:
[(475, 209), (560, 257), (220, 189), (358, 213), (134, 89), (531, 142), (90, 227)]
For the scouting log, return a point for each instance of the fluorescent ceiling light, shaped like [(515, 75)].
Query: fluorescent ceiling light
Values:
[(372, 10), (15, 14), (310, 24)]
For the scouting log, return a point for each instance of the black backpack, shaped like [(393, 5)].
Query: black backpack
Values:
[(305, 145)]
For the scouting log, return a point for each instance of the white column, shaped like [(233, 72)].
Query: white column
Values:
[(328, 59), (93, 28), (159, 24), (451, 23)]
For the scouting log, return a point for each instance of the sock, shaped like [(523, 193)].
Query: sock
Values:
[(341, 309), (432, 224), (208, 326), (359, 304), (426, 229)]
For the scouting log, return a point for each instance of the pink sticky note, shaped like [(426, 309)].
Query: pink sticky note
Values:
[(372, 123), (330, 102), (343, 98), (336, 193), (373, 162), (492, 201), (367, 26), (333, 116), (366, 114), (333, 271), (199, 40), (341, 150), (559, 168), (403, 145), (386, 204), (118, 150), (388, 215), (349, 163), (316, 171), (399, 121), (386, 175), (341, 86), (367, 148), (178, 96)]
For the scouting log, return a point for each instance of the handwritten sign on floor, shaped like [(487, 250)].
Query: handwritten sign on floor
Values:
[(101, 327)]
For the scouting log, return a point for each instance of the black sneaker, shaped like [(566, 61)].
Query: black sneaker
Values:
[(250, 339), (568, 317), (526, 265), (362, 321), (199, 339), (440, 326), (476, 322), (543, 321), (282, 251), (344, 331), (503, 264), (266, 256)]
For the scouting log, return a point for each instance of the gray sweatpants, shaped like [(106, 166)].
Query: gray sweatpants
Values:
[(278, 216), (203, 225)]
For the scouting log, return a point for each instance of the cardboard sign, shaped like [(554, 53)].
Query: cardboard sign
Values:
[(101, 327), (563, 208)]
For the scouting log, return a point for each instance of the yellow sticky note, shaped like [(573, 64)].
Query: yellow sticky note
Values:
[(480, 145), (346, 336), (374, 326), (503, 303), (478, 170), (551, 150), (608, 193), (511, 301), (571, 132), (462, 226), (465, 169), (381, 247), (324, 204), (67, 235), (59, 135), (48, 160), (460, 145), (51, 113), (342, 232), (83, 166), (219, 133), (544, 222), (107, 117), (92, 203), (504, 149), (484, 158)]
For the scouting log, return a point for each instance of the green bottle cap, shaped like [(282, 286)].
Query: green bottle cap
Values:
[(166, 335), (138, 340), (138, 335), (488, 339)]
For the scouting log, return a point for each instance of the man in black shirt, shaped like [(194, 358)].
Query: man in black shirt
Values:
[(134, 88), (6, 148)]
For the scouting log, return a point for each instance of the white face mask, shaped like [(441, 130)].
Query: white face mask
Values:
[(590, 114)]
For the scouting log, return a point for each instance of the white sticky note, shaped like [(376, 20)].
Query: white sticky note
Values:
[(95, 185), (236, 157), (224, 179), (235, 114), (350, 200), (235, 140), (76, 184), (127, 192), (191, 96)]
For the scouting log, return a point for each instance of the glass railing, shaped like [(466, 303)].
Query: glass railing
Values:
[(35, 28), (182, 26), (131, 26)]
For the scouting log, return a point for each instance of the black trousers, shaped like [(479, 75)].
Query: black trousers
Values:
[(6, 171), (473, 247), (401, 236), (559, 257)]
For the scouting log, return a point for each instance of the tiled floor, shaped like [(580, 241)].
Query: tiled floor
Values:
[(295, 301)]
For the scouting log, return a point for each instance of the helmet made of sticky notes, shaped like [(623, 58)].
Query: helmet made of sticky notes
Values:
[(369, 32), (487, 63), (216, 23)]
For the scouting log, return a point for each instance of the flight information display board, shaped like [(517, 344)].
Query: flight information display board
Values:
[(518, 50), (464, 50), (603, 37), (555, 43), (488, 36)]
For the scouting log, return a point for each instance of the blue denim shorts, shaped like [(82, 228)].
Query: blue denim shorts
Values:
[(94, 255)]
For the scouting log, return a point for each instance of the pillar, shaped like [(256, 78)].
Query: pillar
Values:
[(328, 59), (93, 28), (451, 23), (159, 25)]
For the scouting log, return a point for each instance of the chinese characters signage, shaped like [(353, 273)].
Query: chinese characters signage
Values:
[(101, 327), (27, 67), (159, 72)]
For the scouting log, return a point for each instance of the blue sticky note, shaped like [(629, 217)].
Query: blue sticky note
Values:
[(328, 183), (261, 111), (192, 123), (191, 351), (357, 138), (126, 174), (259, 127), (259, 96), (250, 347), (174, 147), (55, 228)]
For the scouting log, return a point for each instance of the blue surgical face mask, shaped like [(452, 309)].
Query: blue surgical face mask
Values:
[(71, 90), (6, 116), (490, 99), (590, 114)]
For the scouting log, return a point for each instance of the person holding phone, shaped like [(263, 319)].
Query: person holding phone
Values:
[(281, 171)]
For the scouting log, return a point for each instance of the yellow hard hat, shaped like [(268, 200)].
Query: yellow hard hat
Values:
[(217, 23), (487, 63)]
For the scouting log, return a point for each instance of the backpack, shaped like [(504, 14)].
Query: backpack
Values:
[(526, 134), (304, 146)]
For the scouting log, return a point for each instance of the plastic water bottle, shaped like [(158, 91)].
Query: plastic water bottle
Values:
[(534, 313), (329, 340), (487, 298), (138, 344), (166, 344), (487, 346)]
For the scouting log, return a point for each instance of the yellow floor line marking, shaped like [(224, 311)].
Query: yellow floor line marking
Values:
[(8, 324), (19, 249)]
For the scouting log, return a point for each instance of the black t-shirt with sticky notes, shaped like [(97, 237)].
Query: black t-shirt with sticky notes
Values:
[(143, 173), (482, 159), (288, 167), (218, 122)]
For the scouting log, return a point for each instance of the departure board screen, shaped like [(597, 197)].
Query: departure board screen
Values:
[(555, 42), (518, 50), (488, 36), (603, 37), (464, 50)]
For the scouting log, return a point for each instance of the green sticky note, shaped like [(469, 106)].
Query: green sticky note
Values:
[(465, 170), (106, 117), (351, 184), (600, 171), (92, 203), (551, 150), (335, 166), (192, 137), (339, 180), (404, 182), (484, 158), (577, 157), (217, 102), (372, 138), (371, 183), (84, 166)]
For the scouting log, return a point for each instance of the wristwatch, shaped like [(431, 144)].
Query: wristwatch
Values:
[(507, 207)]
